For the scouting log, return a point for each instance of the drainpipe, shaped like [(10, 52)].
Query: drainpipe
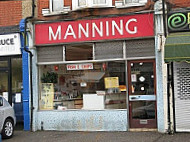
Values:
[(168, 97), (164, 17), (27, 50), (173, 97)]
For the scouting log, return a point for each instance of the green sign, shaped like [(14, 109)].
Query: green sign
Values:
[(179, 21)]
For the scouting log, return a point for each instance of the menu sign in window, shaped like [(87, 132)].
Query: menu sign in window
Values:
[(47, 96), (111, 82)]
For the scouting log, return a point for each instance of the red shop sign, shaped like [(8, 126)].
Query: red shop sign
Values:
[(140, 25)]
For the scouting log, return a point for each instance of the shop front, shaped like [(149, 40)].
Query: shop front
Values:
[(11, 71), (177, 55), (95, 75)]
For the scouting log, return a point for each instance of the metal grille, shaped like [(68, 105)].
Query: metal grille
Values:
[(109, 50), (182, 96), (140, 48), (50, 54), (183, 81)]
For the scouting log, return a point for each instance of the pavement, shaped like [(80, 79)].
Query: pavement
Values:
[(60, 136)]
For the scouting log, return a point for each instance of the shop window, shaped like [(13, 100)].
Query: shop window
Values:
[(85, 86), (3, 64), (16, 75), (78, 4), (79, 52)]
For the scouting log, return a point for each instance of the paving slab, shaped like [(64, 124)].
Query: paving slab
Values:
[(60, 136)]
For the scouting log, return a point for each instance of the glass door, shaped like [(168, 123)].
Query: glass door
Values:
[(142, 94)]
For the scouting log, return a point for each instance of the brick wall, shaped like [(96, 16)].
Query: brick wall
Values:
[(11, 13), (179, 3), (42, 4), (68, 3)]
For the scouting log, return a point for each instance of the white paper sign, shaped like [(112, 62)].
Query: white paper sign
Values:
[(86, 66), (133, 77), (18, 98)]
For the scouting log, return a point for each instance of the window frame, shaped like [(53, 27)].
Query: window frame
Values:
[(124, 4), (140, 2), (89, 3), (61, 10), (98, 4), (82, 5), (107, 102), (51, 5)]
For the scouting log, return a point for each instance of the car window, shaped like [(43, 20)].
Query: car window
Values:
[(1, 101)]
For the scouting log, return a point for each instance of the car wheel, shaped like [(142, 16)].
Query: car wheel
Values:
[(8, 129)]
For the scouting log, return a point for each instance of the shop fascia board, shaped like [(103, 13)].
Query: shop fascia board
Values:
[(91, 42)]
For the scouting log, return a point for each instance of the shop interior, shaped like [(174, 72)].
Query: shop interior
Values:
[(100, 85)]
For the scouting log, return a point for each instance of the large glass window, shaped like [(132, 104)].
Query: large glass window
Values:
[(16, 75), (98, 85)]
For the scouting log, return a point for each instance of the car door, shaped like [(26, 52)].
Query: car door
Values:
[(1, 112)]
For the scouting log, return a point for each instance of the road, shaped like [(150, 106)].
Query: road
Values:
[(57, 136)]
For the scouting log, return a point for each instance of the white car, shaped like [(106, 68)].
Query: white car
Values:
[(7, 119)]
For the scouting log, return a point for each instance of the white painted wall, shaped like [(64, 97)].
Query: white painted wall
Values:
[(161, 69)]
